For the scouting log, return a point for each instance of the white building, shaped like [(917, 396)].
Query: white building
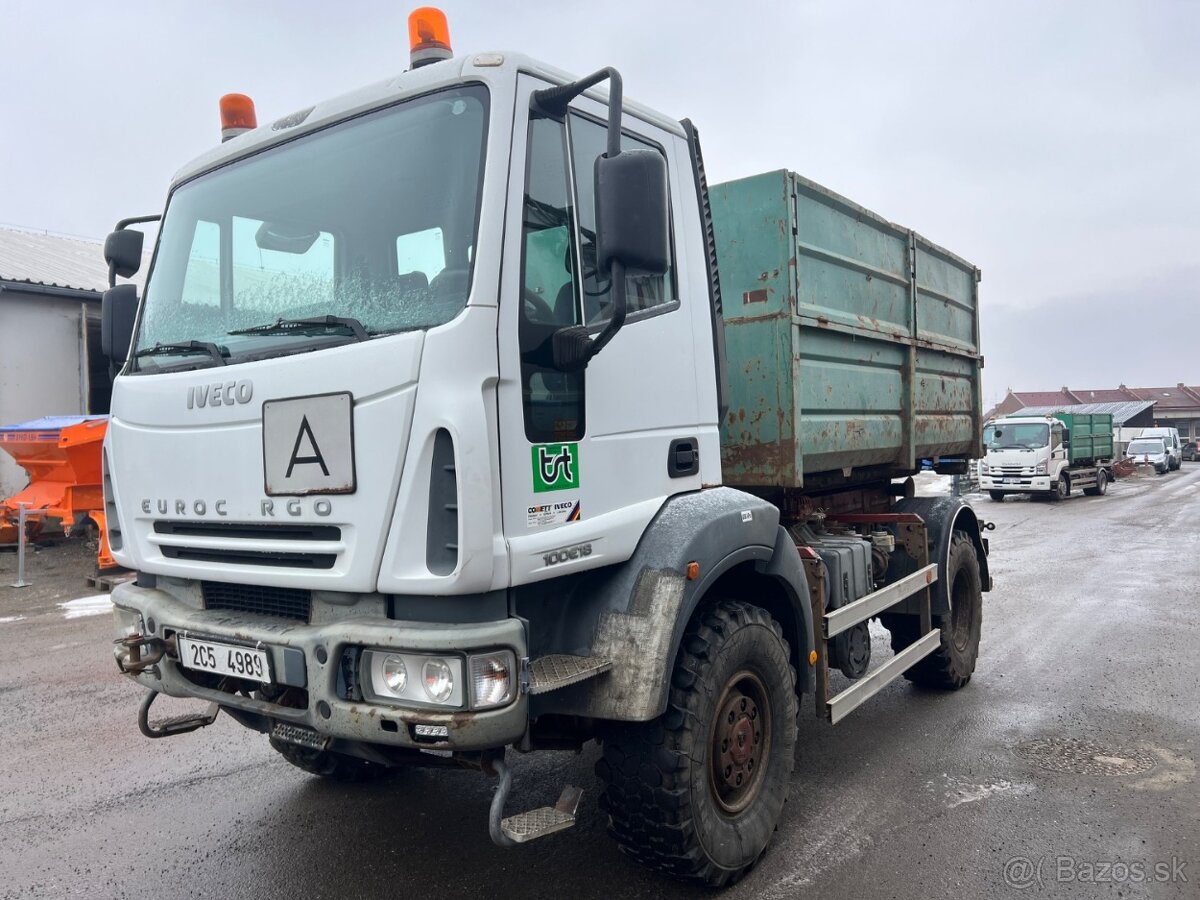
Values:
[(50, 359)]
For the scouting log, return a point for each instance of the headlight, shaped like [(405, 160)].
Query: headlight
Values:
[(983, 468), (438, 680), (422, 679), (492, 679), (388, 677), (395, 674), (1041, 468)]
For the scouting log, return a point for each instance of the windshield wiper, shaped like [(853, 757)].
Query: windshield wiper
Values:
[(184, 348), (307, 326)]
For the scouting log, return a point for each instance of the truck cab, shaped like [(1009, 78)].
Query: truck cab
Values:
[(1024, 454)]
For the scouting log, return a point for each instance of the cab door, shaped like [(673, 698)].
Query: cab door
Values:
[(587, 458)]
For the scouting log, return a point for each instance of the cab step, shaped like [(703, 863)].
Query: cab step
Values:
[(537, 823), (509, 831), (549, 673)]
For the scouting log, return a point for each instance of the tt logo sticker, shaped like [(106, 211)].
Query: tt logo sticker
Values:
[(555, 467), (308, 445)]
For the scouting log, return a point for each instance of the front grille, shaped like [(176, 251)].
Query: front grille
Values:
[(281, 603), (252, 557), (289, 532), (233, 532)]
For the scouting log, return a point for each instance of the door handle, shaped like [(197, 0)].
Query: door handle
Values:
[(683, 457)]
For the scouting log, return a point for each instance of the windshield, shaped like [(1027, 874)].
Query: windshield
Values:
[(1143, 447), (1019, 436), (371, 222)]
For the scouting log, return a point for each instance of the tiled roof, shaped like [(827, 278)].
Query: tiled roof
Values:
[(1180, 396), (1042, 398), (32, 257)]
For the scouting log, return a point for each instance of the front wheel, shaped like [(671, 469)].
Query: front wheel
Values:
[(998, 496), (951, 665), (1062, 488), (698, 792)]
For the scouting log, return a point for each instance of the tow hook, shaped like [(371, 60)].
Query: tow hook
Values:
[(141, 652), (175, 724)]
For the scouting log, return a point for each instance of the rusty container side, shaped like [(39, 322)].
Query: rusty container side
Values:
[(852, 342)]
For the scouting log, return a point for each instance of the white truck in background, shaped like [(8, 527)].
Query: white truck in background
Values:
[(1048, 455)]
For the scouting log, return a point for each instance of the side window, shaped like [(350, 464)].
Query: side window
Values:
[(420, 253), (553, 400), (589, 140), (280, 270)]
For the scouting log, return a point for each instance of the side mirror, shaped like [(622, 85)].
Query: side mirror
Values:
[(632, 216), (123, 251), (118, 310)]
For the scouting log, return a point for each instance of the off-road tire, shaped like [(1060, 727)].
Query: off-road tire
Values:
[(327, 764), (666, 808), (950, 666), (997, 496)]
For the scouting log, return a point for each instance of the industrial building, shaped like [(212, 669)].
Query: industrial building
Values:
[(50, 361)]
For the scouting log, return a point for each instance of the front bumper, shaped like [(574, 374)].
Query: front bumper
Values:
[(296, 652), (1015, 484)]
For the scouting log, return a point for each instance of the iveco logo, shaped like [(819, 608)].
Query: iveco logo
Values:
[(221, 394)]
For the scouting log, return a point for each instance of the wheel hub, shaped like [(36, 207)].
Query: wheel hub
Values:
[(741, 738)]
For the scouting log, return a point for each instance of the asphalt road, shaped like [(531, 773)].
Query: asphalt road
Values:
[(1090, 636)]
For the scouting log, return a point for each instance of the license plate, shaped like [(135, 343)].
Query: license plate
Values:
[(225, 659)]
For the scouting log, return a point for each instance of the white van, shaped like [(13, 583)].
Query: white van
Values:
[(1170, 437)]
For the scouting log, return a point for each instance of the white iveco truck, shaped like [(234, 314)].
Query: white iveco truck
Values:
[(433, 438)]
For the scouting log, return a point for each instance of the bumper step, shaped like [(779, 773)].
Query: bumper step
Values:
[(537, 823), (509, 831), (549, 673)]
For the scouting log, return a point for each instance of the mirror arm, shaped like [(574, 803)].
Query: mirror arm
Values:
[(553, 101), (618, 312)]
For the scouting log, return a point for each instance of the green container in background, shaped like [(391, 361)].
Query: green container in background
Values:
[(853, 343), (1090, 434)]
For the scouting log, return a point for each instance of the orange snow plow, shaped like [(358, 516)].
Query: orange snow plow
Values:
[(62, 456)]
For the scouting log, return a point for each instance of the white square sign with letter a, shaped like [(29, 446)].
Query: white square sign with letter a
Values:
[(308, 445)]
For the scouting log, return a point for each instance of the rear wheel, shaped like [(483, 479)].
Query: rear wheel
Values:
[(951, 665), (698, 792), (327, 764), (1101, 487), (998, 496)]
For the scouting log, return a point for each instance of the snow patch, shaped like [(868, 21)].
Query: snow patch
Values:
[(959, 792), (6, 619), (93, 605)]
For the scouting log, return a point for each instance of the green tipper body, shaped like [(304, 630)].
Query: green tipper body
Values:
[(1091, 436), (853, 343)]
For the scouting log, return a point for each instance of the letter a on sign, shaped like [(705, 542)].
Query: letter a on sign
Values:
[(315, 456), (308, 445)]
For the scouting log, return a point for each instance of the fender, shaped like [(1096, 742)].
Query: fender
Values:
[(943, 516), (639, 612)]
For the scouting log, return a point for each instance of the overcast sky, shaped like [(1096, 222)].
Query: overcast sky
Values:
[(1055, 145)]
